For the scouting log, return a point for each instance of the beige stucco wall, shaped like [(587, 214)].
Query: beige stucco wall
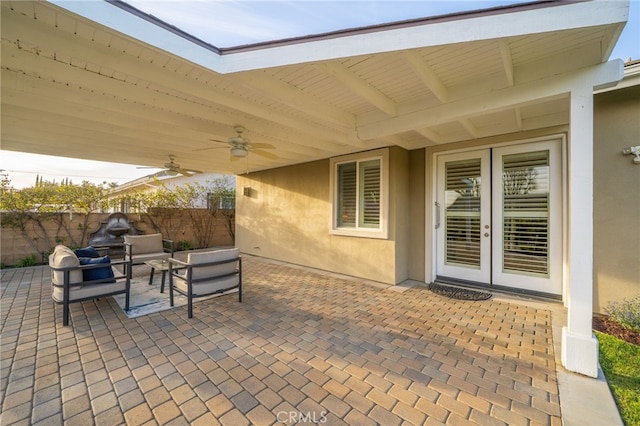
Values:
[(286, 216), (14, 247), (616, 197), (416, 218)]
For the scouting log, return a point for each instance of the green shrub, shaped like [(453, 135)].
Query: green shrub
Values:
[(184, 245), (27, 261), (626, 312)]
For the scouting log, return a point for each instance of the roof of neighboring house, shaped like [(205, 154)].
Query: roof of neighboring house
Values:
[(154, 182), (100, 81)]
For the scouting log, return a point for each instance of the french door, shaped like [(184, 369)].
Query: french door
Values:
[(499, 216)]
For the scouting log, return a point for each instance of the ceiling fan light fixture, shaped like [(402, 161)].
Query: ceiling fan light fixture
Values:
[(172, 173), (238, 152)]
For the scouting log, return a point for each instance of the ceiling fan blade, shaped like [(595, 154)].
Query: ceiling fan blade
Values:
[(159, 174), (211, 147), (147, 167), (263, 145), (189, 171), (265, 154), (219, 141)]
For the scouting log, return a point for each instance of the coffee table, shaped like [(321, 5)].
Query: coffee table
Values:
[(161, 265)]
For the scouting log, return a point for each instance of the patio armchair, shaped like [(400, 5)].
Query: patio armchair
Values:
[(76, 279), (141, 248), (205, 274)]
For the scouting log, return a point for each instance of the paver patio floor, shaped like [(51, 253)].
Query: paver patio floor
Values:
[(304, 347)]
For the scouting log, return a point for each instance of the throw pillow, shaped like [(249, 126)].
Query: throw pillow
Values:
[(97, 273), (87, 252)]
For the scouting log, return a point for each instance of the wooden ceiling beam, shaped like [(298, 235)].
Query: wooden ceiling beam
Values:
[(507, 61), (357, 85), (430, 134), (469, 127), (507, 98), (80, 51), (289, 95), (148, 134), (428, 77), (135, 98)]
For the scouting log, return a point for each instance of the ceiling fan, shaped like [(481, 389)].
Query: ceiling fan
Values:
[(241, 146), (172, 168)]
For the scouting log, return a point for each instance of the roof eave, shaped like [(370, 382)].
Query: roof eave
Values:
[(536, 17)]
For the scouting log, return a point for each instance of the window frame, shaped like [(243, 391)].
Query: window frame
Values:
[(380, 232)]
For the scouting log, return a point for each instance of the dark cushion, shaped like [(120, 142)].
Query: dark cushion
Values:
[(87, 252), (97, 273)]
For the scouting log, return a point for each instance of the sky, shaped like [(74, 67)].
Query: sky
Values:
[(227, 23)]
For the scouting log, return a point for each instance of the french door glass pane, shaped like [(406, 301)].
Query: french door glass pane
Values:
[(462, 213), (525, 206)]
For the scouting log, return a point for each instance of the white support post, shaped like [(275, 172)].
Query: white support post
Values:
[(579, 345)]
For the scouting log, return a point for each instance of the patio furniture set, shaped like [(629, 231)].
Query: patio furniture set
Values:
[(85, 274)]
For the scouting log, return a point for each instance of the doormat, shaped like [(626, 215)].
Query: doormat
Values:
[(459, 293), (145, 299)]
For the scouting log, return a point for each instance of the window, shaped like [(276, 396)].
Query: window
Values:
[(359, 190), (217, 201)]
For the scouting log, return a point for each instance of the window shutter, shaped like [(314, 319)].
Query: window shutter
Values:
[(462, 214), (370, 194), (525, 185), (358, 195), (347, 195)]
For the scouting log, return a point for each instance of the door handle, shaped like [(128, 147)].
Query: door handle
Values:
[(437, 215)]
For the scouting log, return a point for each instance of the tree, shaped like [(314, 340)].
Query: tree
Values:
[(202, 204), (519, 181), (165, 208), (28, 209)]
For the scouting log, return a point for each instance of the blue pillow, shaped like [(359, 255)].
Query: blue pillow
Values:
[(87, 252), (97, 273)]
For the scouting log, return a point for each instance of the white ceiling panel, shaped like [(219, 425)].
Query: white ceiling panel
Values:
[(73, 87)]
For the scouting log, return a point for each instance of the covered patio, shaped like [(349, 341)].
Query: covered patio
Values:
[(305, 346), (105, 81)]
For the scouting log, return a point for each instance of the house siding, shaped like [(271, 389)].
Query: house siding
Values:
[(616, 197), (286, 217)]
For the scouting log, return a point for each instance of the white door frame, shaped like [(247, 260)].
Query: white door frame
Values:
[(431, 261), (466, 272), (552, 284)]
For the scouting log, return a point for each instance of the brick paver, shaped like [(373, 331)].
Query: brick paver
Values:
[(303, 346)]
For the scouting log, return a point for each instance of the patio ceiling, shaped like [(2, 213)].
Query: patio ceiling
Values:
[(101, 81)]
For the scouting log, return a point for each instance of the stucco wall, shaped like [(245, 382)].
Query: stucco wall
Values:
[(616, 197), (416, 217), (14, 247), (286, 217), (286, 214)]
